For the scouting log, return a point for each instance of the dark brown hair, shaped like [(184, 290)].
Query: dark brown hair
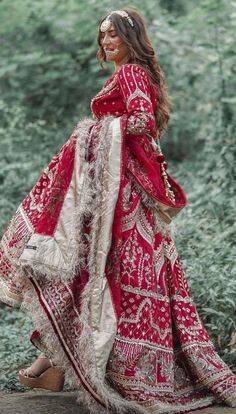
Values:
[(142, 53)]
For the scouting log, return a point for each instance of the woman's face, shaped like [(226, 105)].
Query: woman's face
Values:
[(115, 49)]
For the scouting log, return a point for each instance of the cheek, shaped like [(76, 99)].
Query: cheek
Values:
[(118, 42), (121, 46), (124, 49)]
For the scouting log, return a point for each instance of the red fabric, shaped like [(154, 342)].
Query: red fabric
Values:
[(161, 349), (162, 356), (119, 96), (130, 93)]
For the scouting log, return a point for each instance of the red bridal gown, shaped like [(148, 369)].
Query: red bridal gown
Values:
[(161, 359)]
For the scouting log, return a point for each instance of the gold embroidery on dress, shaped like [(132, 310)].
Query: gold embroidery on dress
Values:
[(106, 89)]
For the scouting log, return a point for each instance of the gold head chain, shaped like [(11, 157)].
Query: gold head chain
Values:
[(107, 22)]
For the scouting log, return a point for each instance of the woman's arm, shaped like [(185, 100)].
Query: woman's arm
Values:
[(135, 89)]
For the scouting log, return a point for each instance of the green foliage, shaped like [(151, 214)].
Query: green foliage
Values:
[(47, 53), (206, 243), (48, 74), (26, 148), (197, 51), (15, 331), (49, 47)]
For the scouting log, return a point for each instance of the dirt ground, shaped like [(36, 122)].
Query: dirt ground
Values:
[(43, 402)]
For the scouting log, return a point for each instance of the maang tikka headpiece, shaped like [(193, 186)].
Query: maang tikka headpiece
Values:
[(107, 22)]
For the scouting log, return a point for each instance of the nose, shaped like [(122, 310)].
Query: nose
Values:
[(105, 40)]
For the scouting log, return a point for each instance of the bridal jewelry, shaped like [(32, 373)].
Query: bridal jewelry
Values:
[(107, 22)]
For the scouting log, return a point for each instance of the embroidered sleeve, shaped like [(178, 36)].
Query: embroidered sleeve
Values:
[(135, 89)]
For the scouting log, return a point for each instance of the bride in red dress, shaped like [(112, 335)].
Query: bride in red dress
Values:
[(90, 253)]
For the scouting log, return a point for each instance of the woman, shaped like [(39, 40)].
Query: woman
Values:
[(90, 254)]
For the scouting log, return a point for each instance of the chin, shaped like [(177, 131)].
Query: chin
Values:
[(109, 59)]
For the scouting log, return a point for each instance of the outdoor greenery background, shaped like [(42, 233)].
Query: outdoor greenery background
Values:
[(49, 73)]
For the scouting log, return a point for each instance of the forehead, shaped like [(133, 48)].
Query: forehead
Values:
[(107, 26)]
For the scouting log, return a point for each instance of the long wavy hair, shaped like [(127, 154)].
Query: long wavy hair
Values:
[(142, 53)]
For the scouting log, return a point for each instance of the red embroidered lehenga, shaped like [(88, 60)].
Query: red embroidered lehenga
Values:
[(88, 255)]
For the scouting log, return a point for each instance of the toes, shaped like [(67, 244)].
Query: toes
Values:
[(27, 373)]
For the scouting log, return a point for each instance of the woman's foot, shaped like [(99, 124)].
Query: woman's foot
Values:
[(42, 374), (41, 364)]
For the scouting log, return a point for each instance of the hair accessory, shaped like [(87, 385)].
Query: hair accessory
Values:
[(107, 22), (105, 25)]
